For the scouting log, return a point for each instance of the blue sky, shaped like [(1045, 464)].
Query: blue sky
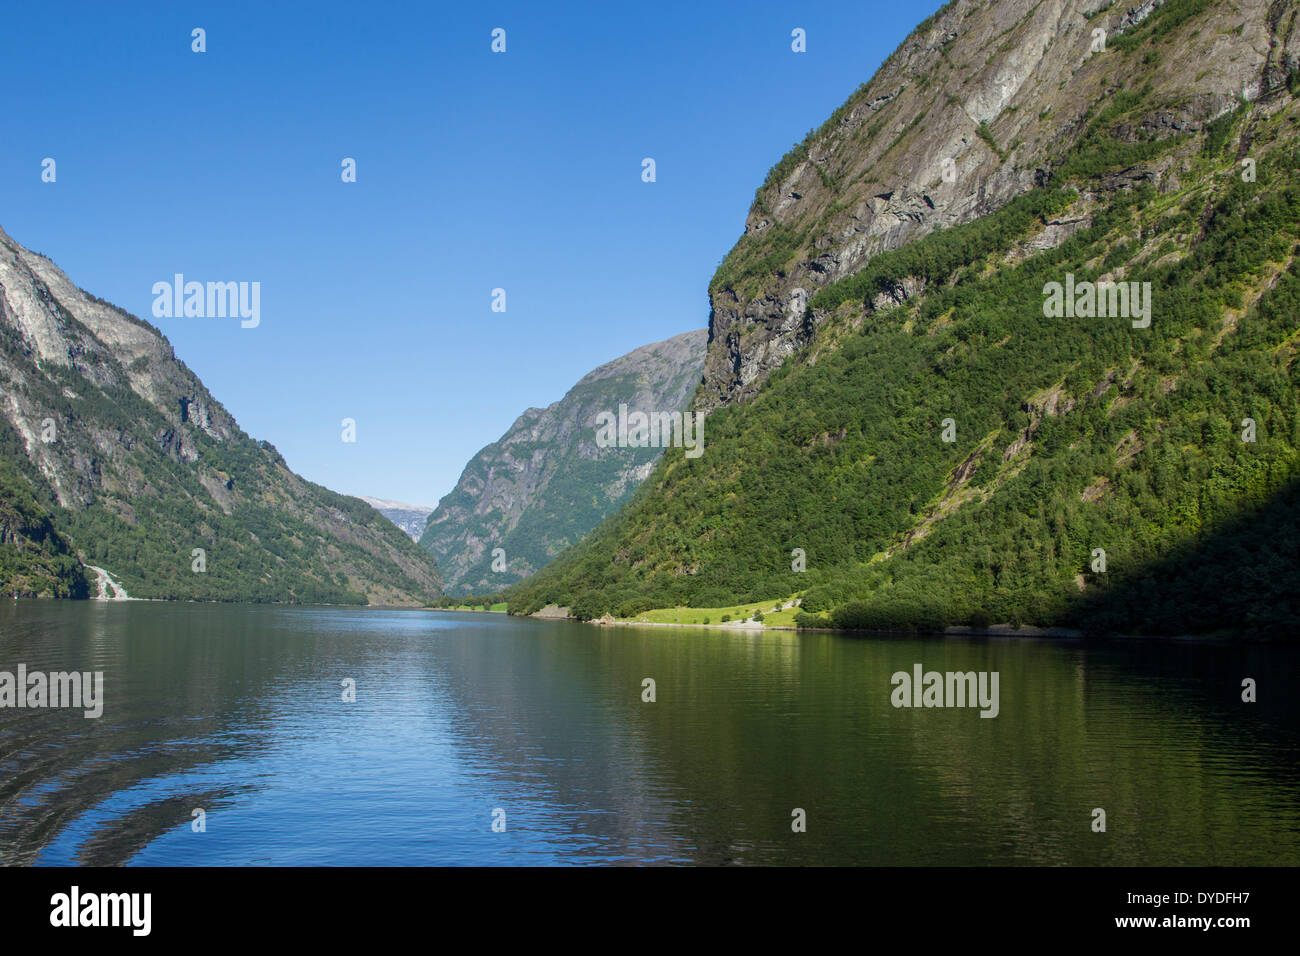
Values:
[(475, 171)]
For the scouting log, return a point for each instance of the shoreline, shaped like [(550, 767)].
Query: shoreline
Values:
[(996, 630), (1002, 630), (463, 610)]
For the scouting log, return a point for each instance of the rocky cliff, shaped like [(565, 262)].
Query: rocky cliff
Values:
[(982, 102)]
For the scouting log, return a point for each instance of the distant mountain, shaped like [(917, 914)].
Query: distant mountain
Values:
[(410, 518), (545, 483), (114, 454)]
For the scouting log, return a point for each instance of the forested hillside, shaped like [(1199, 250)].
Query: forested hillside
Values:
[(1102, 472)]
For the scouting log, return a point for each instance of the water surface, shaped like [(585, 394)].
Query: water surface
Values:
[(238, 711)]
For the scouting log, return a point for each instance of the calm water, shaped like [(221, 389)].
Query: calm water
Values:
[(238, 711)]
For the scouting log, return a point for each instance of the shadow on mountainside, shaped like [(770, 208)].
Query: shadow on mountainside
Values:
[(1243, 577)]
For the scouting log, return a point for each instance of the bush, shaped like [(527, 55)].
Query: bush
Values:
[(633, 607), (804, 619), (589, 606)]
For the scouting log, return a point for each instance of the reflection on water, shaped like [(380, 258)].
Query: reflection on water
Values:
[(238, 711)]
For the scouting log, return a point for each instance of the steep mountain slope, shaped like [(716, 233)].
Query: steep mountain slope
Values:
[(114, 450), (410, 518), (545, 483), (894, 392), (980, 104)]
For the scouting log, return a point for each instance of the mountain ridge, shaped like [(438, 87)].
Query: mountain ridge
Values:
[(138, 469)]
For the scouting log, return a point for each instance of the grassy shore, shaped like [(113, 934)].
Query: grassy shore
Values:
[(774, 613)]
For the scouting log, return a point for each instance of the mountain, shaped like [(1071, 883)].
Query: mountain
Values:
[(545, 483), (410, 518), (983, 102), (909, 425), (113, 453)]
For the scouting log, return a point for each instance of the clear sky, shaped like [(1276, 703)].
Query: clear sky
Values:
[(475, 171)]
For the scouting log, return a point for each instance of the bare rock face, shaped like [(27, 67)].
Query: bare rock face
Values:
[(137, 465), (546, 482), (977, 106), (62, 327)]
